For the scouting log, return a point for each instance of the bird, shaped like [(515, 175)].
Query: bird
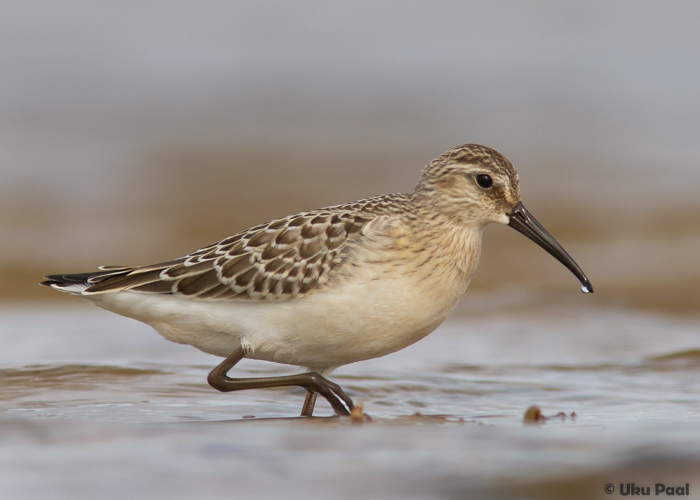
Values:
[(328, 287)]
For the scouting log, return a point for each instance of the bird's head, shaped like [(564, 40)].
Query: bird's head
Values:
[(472, 185)]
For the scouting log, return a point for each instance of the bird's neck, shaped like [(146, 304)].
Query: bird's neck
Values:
[(447, 239)]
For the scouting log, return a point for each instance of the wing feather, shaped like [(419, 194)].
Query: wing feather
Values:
[(281, 260)]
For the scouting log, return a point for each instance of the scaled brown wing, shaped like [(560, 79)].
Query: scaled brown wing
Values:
[(283, 259)]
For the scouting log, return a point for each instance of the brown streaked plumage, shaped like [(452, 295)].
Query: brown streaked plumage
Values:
[(332, 286), (284, 259)]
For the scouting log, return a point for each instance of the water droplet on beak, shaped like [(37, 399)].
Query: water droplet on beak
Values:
[(585, 289)]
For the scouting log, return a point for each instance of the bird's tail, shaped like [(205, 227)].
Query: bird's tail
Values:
[(76, 283)]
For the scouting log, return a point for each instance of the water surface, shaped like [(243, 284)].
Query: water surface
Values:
[(94, 405)]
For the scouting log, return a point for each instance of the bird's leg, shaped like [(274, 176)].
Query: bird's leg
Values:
[(308, 409), (311, 381)]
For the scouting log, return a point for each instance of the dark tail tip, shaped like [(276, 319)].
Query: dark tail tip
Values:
[(68, 279)]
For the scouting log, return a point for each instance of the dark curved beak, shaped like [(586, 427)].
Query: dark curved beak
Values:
[(522, 221)]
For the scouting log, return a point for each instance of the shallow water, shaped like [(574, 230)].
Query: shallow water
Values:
[(95, 405)]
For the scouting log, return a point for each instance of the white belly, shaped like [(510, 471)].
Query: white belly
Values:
[(359, 320)]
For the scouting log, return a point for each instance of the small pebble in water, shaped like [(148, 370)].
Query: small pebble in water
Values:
[(533, 415), (357, 415)]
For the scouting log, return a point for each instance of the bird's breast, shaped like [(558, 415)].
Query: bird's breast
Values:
[(385, 298)]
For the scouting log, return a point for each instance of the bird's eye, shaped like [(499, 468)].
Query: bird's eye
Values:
[(484, 181)]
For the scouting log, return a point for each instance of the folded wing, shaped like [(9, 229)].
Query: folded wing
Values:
[(281, 260)]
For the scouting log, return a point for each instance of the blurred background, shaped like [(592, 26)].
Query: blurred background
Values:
[(135, 132)]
